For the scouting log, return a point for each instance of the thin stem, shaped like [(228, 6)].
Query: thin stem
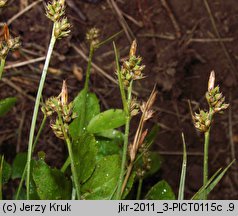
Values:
[(206, 152), (205, 159), (125, 146), (128, 173), (73, 167), (65, 165), (109, 39), (91, 51), (86, 86), (34, 145), (121, 86), (139, 189), (83, 110), (3, 60), (36, 109)]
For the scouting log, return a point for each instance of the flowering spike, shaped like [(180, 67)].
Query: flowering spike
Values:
[(214, 97), (92, 36)]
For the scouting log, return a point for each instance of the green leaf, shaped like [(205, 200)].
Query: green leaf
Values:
[(51, 184), (88, 104), (213, 181), (108, 147), (107, 120), (161, 191), (18, 165), (85, 152), (6, 104), (111, 134), (104, 180), (183, 172), (6, 170)]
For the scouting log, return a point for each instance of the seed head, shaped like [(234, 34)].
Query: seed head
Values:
[(55, 10), (92, 36), (132, 69), (62, 28), (202, 121), (214, 97)]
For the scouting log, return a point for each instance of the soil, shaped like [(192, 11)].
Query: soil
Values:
[(179, 56)]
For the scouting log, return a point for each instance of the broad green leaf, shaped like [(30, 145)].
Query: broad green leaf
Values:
[(108, 147), (107, 120), (161, 191), (5, 171), (18, 165), (183, 172), (33, 190), (6, 104), (111, 134), (51, 184), (213, 181), (103, 182), (85, 152), (86, 106)]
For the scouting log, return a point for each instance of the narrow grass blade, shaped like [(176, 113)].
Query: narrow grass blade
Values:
[(213, 181), (109, 38), (183, 172)]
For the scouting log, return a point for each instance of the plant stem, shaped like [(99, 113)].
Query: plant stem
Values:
[(71, 156), (65, 165), (91, 51), (121, 86), (86, 86), (128, 173), (3, 60), (206, 152), (205, 159), (34, 145), (83, 111), (125, 146), (36, 109), (139, 189), (73, 169)]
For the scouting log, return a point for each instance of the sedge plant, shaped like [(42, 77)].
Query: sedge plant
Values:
[(130, 71), (103, 161), (55, 11), (203, 120)]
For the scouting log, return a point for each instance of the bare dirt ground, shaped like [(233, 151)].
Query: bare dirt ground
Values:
[(180, 42)]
